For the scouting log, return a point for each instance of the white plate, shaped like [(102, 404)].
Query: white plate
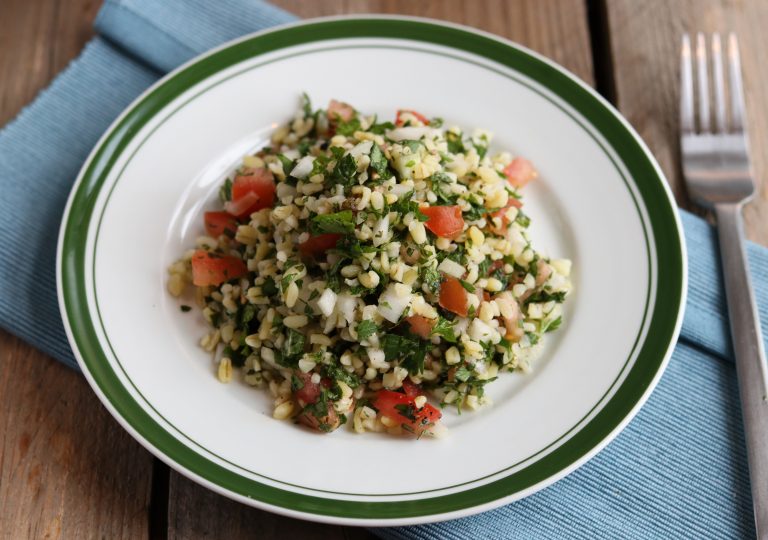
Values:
[(600, 201)]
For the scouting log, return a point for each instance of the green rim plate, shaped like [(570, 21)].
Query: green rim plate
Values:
[(644, 173)]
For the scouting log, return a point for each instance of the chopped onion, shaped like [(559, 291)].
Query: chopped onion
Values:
[(345, 306), (412, 133), (327, 302), (303, 167), (392, 305), (401, 189), (360, 148), (381, 231), (452, 268), (480, 331)]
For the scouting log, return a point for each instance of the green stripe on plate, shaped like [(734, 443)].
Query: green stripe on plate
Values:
[(648, 183)]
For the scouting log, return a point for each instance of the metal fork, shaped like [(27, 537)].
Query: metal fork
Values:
[(718, 176)]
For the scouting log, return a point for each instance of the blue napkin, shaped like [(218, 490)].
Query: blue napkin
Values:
[(679, 468)]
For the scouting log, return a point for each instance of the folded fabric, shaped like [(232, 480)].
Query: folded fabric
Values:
[(677, 470)]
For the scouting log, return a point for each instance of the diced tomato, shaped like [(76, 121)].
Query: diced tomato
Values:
[(218, 222), (210, 269), (519, 172), (338, 110), (501, 214), (412, 389), (445, 221), (309, 391), (402, 408), (453, 296), (309, 394), (240, 208), (483, 296), (251, 192), (420, 117), (421, 326), (317, 245), (543, 272), (325, 424), (495, 265)]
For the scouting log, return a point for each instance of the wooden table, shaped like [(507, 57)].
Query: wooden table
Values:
[(66, 467)]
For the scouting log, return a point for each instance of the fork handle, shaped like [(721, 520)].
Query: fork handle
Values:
[(748, 347)]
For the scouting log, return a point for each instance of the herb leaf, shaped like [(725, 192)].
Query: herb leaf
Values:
[(455, 145), (379, 162), (345, 169), (380, 129), (225, 191), (463, 374), (544, 296), (339, 223), (293, 347), (410, 350), (552, 325), (348, 128), (306, 105), (431, 278), (269, 288), (366, 329), (444, 328), (467, 286)]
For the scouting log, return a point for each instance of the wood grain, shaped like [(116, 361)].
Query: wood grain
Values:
[(557, 29), (67, 470), (644, 47), (198, 513)]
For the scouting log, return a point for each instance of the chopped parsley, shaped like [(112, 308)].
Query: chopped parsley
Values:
[(268, 288), (348, 128), (431, 277), (379, 162), (225, 191), (551, 326), (366, 329), (544, 296), (339, 223), (467, 286), (293, 346), (444, 329), (410, 350)]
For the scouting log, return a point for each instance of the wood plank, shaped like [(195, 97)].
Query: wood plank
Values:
[(557, 29), (67, 470), (196, 512), (644, 47)]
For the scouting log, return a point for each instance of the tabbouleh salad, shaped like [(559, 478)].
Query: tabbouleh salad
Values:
[(358, 266)]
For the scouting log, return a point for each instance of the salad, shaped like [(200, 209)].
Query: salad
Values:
[(371, 273)]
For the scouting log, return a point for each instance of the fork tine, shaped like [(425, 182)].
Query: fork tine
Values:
[(686, 86), (719, 82), (701, 72), (737, 92)]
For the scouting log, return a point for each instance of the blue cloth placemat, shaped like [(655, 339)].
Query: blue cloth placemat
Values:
[(677, 471)]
